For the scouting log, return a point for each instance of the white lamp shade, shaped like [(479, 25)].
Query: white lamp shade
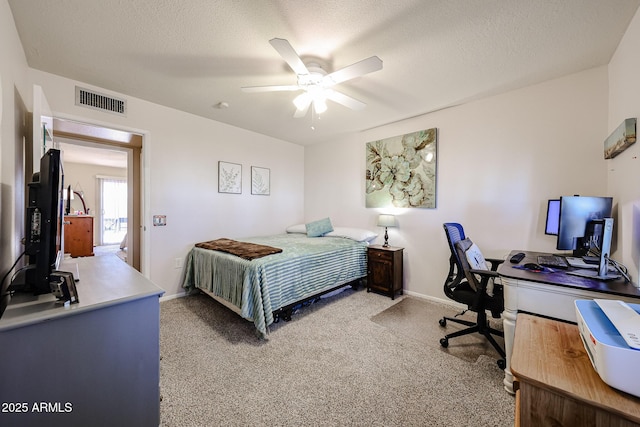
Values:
[(386, 221)]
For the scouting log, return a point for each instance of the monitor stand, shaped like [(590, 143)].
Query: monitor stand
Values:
[(603, 265)]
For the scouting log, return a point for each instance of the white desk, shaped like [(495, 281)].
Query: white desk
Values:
[(551, 295), (92, 363)]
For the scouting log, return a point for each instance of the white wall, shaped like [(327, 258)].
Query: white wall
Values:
[(624, 169), (499, 160), (181, 153), (15, 101)]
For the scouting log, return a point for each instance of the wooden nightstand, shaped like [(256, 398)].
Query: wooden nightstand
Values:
[(384, 269)]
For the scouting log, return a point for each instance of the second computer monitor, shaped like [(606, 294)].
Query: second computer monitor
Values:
[(553, 217)]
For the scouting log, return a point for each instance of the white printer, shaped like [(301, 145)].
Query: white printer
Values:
[(610, 332)]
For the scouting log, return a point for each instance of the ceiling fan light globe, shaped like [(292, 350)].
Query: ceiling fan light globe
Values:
[(301, 101), (319, 105)]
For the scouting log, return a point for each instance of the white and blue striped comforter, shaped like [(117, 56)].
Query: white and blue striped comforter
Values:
[(306, 266)]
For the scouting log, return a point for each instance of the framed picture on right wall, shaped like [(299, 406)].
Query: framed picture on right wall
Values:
[(260, 181), (620, 139)]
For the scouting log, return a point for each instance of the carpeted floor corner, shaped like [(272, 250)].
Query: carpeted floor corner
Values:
[(418, 319), (339, 362)]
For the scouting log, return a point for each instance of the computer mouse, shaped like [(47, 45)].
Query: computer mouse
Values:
[(533, 267)]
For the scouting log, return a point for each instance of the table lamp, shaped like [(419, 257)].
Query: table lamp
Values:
[(386, 221)]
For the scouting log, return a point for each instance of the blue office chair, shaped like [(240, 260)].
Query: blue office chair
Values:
[(469, 286)]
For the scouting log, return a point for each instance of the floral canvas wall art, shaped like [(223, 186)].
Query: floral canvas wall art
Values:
[(401, 171)]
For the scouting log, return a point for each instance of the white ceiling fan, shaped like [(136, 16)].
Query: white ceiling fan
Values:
[(314, 81)]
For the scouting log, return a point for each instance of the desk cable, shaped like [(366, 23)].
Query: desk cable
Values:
[(12, 277), (621, 268)]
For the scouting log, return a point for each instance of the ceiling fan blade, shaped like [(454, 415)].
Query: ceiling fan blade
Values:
[(289, 54), (289, 88), (345, 100), (302, 112), (352, 71)]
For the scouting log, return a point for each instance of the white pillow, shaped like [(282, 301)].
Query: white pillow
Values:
[(475, 258), (298, 228), (357, 234), (477, 262)]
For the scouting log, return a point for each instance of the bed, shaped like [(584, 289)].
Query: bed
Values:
[(265, 289)]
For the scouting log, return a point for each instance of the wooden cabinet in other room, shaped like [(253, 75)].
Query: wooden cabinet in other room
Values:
[(78, 235), (384, 269)]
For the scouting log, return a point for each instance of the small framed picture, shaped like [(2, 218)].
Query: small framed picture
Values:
[(260, 181), (229, 178), (621, 138)]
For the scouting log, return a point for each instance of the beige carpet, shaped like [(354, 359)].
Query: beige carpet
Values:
[(331, 365), (418, 319)]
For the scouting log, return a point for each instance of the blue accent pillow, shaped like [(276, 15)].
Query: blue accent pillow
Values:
[(319, 228)]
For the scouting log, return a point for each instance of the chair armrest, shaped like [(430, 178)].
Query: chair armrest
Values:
[(495, 262), (484, 273), (481, 291)]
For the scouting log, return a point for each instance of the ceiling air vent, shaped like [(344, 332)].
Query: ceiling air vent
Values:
[(100, 101)]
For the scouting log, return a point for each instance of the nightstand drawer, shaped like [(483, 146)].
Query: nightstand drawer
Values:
[(381, 255)]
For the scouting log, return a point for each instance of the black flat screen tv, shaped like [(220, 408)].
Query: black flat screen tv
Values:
[(44, 223)]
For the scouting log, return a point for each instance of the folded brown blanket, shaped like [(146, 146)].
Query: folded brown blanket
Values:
[(244, 250)]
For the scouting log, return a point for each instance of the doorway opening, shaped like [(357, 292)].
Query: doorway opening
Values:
[(112, 213), (118, 199)]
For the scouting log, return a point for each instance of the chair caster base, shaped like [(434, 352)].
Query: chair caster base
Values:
[(444, 342)]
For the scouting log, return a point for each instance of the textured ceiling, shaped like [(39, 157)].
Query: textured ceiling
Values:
[(193, 54)]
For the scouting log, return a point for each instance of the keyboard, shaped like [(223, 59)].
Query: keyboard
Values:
[(553, 261)]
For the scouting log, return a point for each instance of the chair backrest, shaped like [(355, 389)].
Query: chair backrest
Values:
[(458, 264), (463, 263), (454, 233)]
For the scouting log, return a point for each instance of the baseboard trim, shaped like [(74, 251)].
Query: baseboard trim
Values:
[(174, 296), (436, 300)]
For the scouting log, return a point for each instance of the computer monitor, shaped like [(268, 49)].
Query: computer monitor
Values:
[(553, 217), (575, 215)]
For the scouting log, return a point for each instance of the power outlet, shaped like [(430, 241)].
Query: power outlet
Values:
[(177, 263)]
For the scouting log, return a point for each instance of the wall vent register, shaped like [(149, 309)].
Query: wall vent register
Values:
[(99, 101)]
